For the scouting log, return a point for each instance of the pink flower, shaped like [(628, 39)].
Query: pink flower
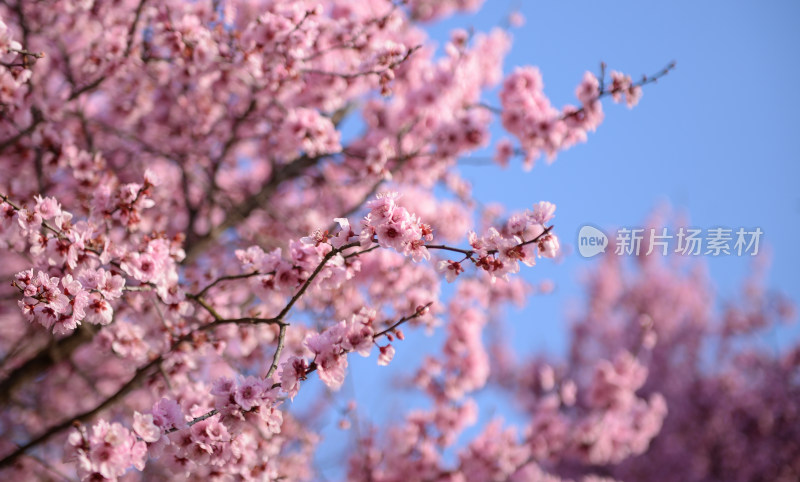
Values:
[(358, 336), (48, 208), (145, 428), (503, 152), (543, 212), (589, 89), (387, 353), (142, 267), (250, 393), (451, 269), (345, 234), (516, 19), (382, 207), (332, 369), (98, 310), (29, 221), (110, 285), (112, 449), (549, 246), (390, 235), (65, 324), (294, 370), (632, 96), (167, 415), (251, 258)]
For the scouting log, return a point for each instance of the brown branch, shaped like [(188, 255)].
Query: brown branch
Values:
[(42, 361), (196, 243), (469, 253), (132, 29), (353, 75), (86, 88), (603, 91), (278, 349), (219, 280), (314, 274), (363, 251), (77, 92), (606, 92), (419, 312)]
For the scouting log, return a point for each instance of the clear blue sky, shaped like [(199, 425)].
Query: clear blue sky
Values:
[(715, 138)]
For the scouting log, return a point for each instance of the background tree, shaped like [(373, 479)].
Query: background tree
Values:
[(190, 234)]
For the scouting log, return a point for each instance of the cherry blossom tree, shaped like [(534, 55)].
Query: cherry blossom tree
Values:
[(724, 406), (189, 235)]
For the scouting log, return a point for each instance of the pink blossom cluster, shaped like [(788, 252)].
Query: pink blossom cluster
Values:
[(112, 449), (464, 367), (13, 75), (125, 203), (107, 452), (250, 394), (394, 227), (432, 9), (61, 304), (623, 87), (611, 425), (540, 127), (562, 429), (524, 238), (330, 349), (276, 273)]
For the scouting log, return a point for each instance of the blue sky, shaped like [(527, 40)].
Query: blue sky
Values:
[(715, 139)]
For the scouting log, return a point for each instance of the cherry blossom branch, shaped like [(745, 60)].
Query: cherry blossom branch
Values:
[(142, 372), (278, 350), (140, 375), (353, 75), (358, 34), (314, 274), (278, 320), (419, 312), (77, 92), (132, 29), (606, 92), (219, 280), (469, 253), (312, 367), (216, 163), (194, 243), (401, 161), (59, 233)]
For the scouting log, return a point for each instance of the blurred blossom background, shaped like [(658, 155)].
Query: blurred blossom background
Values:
[(714, 143)]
